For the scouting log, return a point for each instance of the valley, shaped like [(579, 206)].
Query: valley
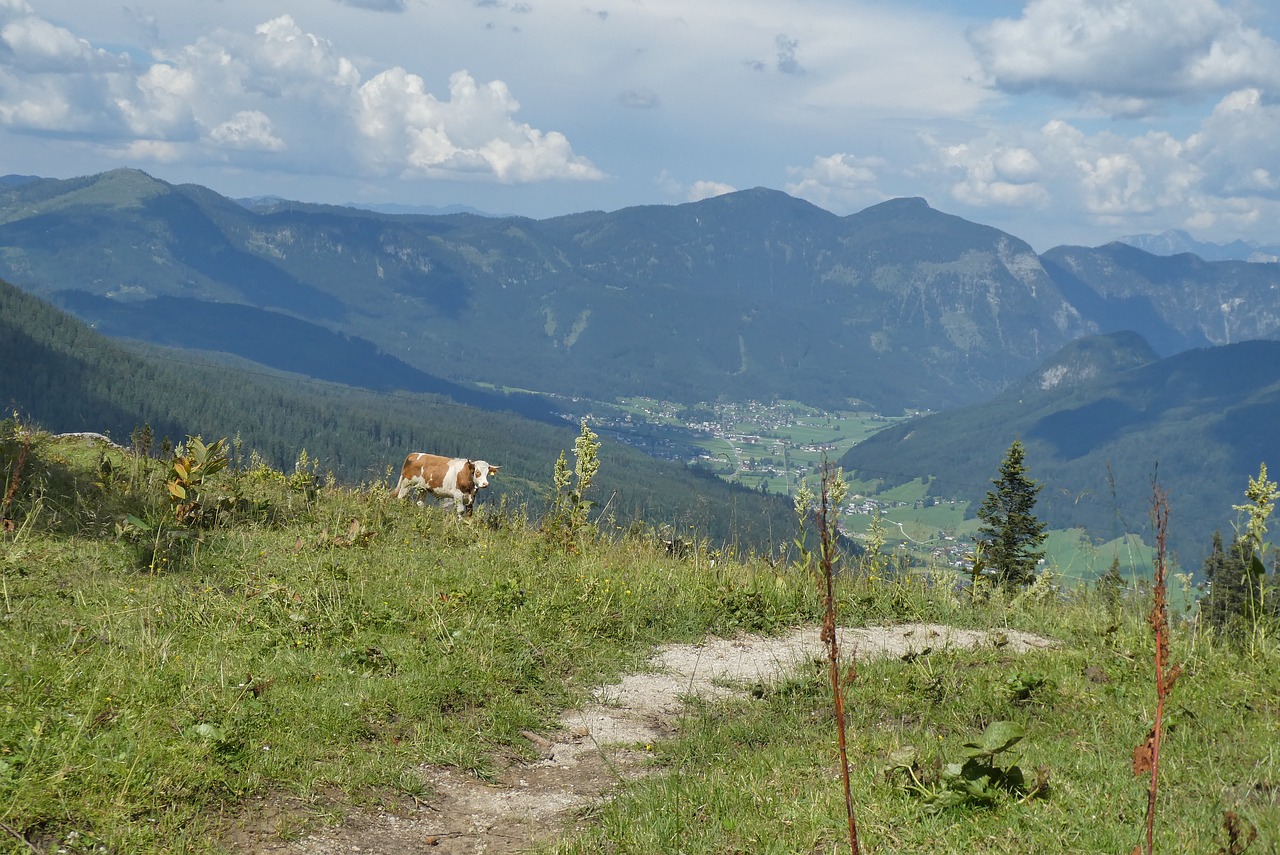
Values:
[(772, 447), (1109, 362)]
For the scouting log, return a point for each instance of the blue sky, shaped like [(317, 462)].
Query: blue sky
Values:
[(1059, 121)]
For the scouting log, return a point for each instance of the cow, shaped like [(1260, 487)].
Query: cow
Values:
[(456, 478)]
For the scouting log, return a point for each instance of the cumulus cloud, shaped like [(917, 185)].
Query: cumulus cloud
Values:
[(231, 93), (1235, 146), (995, 173), (30, 44), (1225, 173), (838, 182), (249, 130), (411, 131), (1125, 56), (700, 190)]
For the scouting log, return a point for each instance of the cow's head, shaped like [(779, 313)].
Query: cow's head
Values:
[(482, 472)]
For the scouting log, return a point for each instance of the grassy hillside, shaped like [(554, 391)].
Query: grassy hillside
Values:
[(308, 648), (65, 377)]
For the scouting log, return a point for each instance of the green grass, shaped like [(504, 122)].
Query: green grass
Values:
[(322, 641), (761, 776)]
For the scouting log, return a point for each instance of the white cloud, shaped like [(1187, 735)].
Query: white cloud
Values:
[(160, 107), (700, 190), (1226, 173), (410, 131), (838, 182), (1235, 146), (1126, 55), (279, 88), (32, 45), (248, 130), (995, 173)]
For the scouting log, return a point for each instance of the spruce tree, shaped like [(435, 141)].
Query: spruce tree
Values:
[(1238, 583), (1010, 533), (1227, 573)]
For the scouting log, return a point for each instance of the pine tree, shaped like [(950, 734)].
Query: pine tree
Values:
[(1010, 533)]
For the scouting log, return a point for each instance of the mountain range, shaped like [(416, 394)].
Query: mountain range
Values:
[(1113, 364), (1176, 242), (750, 295)]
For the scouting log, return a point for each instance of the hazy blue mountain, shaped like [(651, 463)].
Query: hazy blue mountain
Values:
[(1100, 421), (753, 294), (1175, 302), (429, 210), (1176, 242), (17, 180)]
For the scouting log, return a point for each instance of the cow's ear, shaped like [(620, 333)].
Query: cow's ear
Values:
[(493, 470)]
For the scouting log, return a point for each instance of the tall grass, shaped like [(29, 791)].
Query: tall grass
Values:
[(317, 643)]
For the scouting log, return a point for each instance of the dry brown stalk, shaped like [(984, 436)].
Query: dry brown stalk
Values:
[(1146, 756)]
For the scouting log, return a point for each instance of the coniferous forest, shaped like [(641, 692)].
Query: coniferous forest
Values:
[(69, 378)]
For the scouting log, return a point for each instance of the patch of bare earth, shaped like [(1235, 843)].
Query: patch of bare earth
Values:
[(596, 747)]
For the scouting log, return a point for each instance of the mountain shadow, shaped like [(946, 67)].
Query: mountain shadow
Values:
[(281, 342)]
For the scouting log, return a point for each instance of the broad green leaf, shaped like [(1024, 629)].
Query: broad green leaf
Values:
[(1000, 736), (904, 756), (204, 730)]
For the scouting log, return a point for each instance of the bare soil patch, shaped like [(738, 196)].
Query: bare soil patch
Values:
[(595, 748)]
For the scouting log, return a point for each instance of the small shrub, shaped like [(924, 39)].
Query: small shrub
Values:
[(566, 524), (980, 778)]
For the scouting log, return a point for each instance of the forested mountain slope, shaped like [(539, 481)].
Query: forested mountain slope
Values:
[(750, 295), (1101, 421), (67, 377)]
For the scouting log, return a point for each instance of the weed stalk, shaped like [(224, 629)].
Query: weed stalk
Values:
[(1146, 757), (826, 523)]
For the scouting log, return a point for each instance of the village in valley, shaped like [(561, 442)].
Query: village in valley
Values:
[(774, 447)]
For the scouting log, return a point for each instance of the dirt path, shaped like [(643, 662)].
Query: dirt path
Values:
[(602, 744)]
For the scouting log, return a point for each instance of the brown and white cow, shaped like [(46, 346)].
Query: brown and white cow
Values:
[(455, 478)]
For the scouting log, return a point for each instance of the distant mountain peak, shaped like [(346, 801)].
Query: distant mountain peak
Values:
[(1177, 241), (902, 204)]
